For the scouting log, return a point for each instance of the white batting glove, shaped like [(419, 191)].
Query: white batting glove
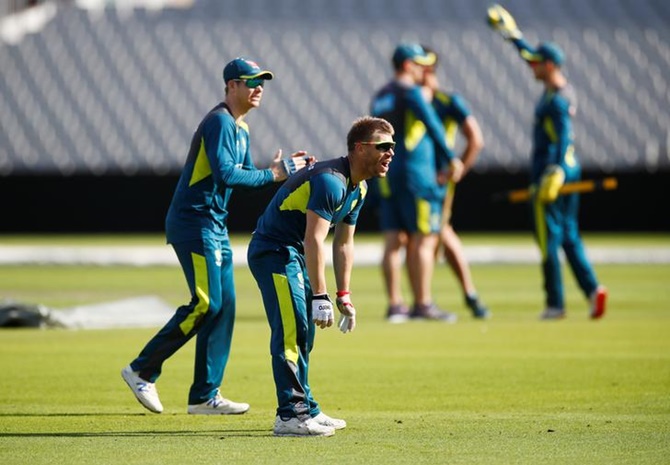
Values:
[(322, 311), (297, 161), (347, 321)]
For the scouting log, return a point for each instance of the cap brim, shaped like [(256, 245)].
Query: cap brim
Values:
[(267, 75), (428, 60), (531, 57)]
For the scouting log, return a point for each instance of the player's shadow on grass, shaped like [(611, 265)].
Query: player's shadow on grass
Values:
[(222, 434), (96, 414)]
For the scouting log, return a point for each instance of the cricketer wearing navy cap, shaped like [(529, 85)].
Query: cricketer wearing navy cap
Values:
[(410, 196), (219, 161), (413, 52), (546, 51), (554, 161), (243, 69)]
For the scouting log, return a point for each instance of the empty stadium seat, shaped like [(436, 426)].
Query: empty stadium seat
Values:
[(97, 93)]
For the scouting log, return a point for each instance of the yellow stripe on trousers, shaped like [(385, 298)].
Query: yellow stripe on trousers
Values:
[(287, 317), (201, 291), (540, 227)]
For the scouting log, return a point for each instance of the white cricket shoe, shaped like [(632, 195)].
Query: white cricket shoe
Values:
[(296, 427), (144, 391), (552, 313), (218, 405), (325, 420)]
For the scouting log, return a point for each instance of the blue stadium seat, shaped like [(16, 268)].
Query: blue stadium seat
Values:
[(109, 93)]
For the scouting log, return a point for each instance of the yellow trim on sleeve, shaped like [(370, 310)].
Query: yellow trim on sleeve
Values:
[(283, 292), (201, 292), (442, 97), (451, 129)]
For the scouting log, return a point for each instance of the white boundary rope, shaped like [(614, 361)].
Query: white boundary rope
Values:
[(366, 255)]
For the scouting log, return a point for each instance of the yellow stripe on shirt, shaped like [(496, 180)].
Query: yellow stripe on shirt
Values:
[(201, 168), (415, 130), (298, 199)]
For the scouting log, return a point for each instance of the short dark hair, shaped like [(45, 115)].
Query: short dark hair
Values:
[(363, 129)]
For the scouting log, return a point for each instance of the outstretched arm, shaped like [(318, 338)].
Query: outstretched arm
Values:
[(504, 24)]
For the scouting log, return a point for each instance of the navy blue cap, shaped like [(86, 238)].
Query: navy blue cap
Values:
[(242, 68), (546, 51), (414, 52)]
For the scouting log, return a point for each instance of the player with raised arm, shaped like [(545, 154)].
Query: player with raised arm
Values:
[(553, 163)]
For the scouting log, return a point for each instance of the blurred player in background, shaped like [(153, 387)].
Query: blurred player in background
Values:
[(411, 198), (287, 258), (455, 115), (218, 161), (553, 162)]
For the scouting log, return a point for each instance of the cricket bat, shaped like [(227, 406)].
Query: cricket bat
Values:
[(448, 203), (585, 186)]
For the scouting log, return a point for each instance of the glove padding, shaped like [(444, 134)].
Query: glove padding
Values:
[(502, 22), (290, 165), (550, 184), (347, 321), (322, 311)]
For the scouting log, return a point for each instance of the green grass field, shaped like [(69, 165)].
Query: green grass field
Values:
[(508, 390)]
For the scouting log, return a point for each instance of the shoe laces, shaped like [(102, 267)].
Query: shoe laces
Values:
[(216, 401), (146, 387)]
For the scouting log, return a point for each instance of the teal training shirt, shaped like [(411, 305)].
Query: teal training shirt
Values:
[(553, 137), (552, 133), (419, 136), (325, 188), (452, 109), (218, 161)]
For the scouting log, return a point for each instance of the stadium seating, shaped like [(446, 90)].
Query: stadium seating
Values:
[(110, 93)]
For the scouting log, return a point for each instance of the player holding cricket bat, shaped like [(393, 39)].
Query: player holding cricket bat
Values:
[(553, 162)]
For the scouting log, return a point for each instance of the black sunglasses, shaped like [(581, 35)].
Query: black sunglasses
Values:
[(252, 83), (381, 146)]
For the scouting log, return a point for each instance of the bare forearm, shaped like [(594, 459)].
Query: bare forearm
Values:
[(343, 262), (316, 265), (343, 255)]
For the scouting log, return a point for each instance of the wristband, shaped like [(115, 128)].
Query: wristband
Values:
[(321, 296), (343, 293)]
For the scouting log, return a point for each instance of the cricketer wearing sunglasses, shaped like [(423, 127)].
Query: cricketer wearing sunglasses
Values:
[(218, 161), (288, 260)]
